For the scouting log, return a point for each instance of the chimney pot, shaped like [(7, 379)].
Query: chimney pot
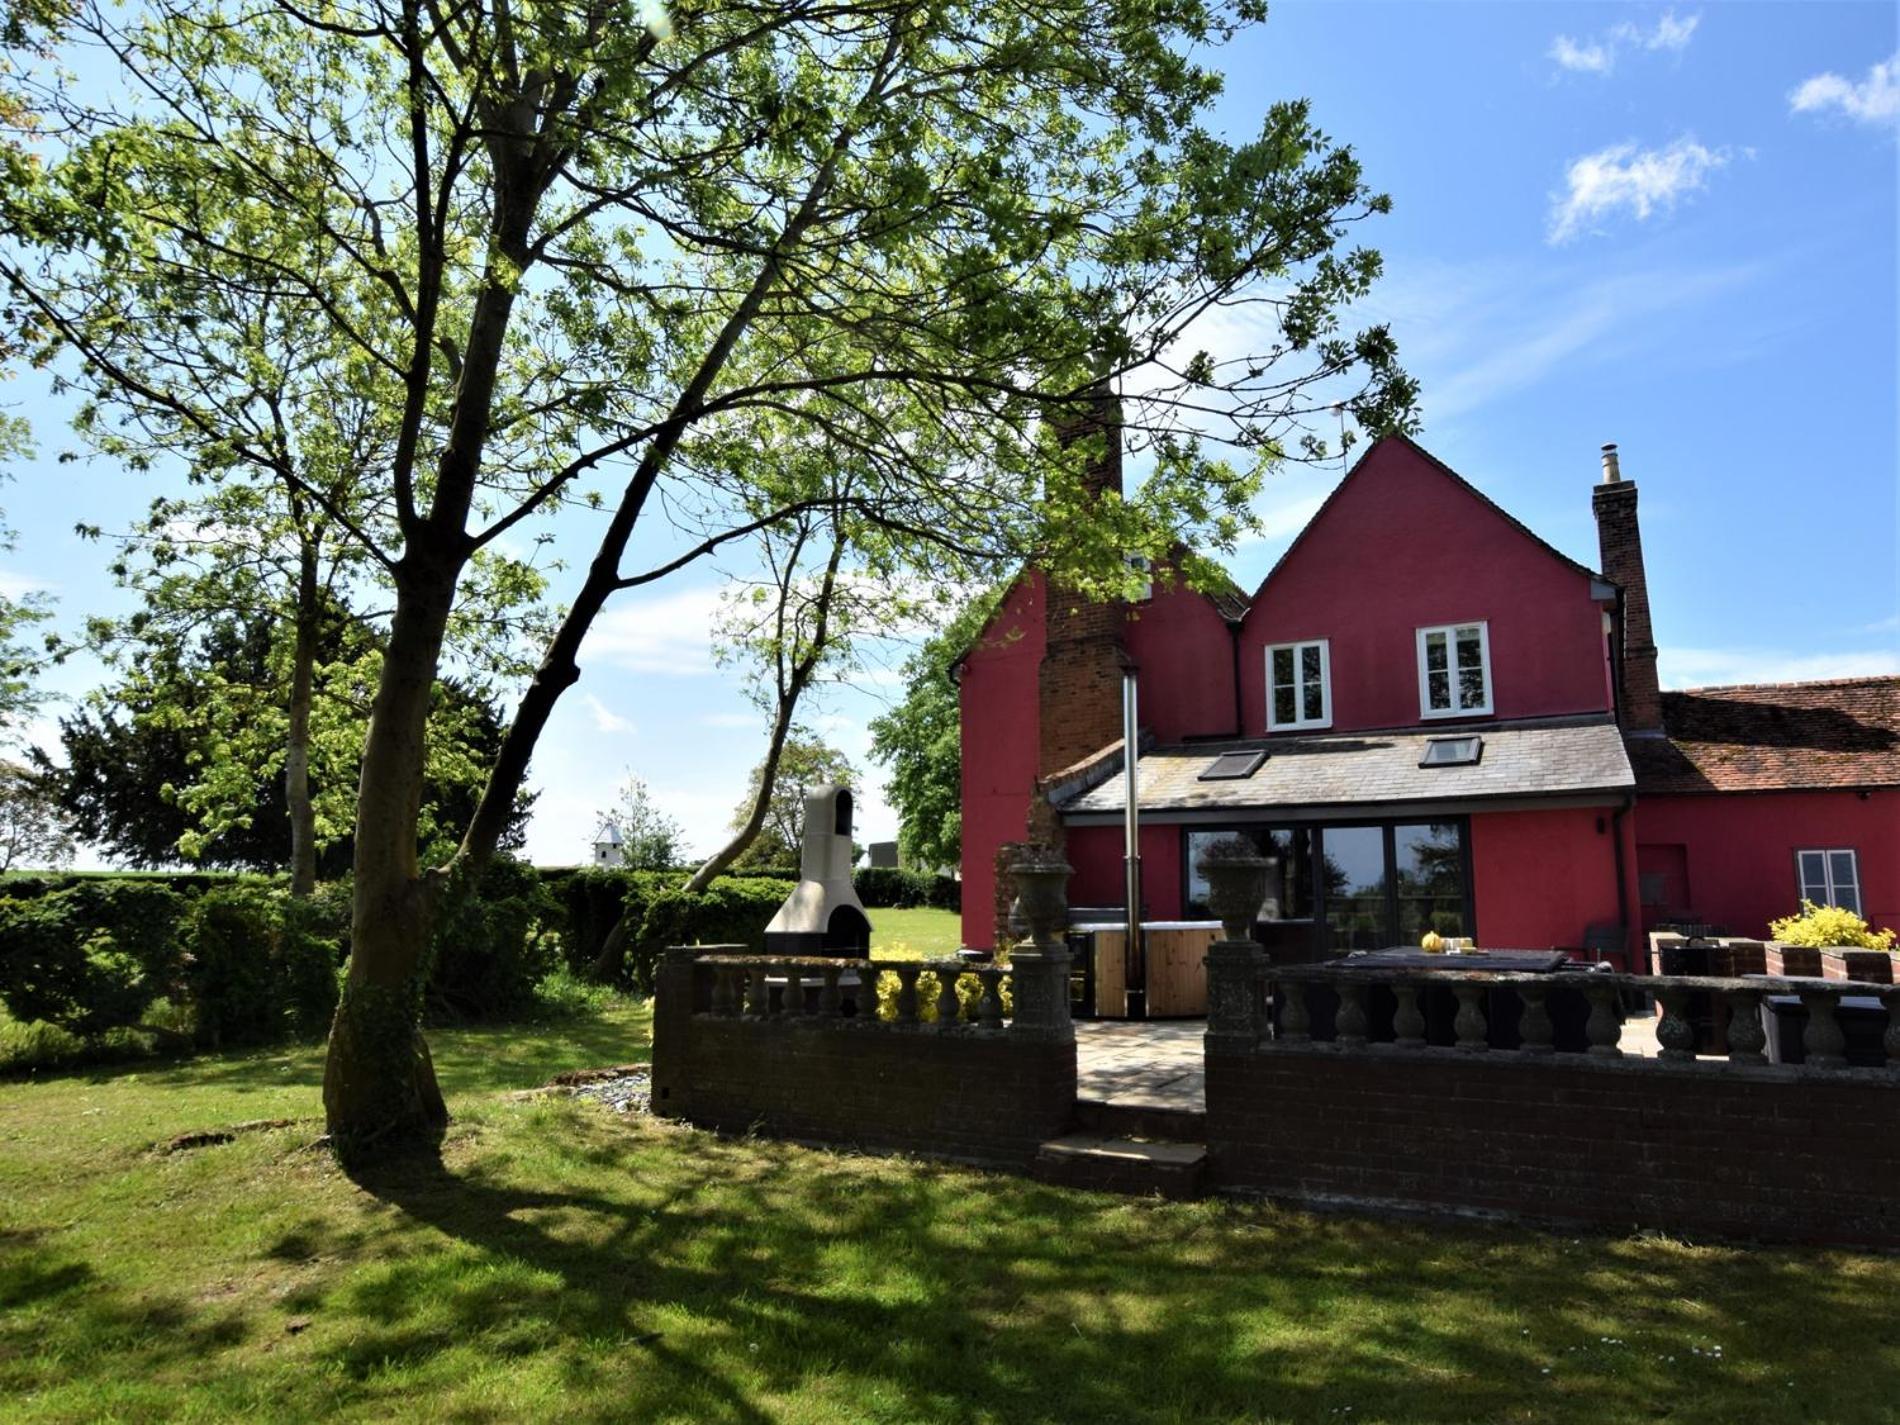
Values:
[(1612, 470)]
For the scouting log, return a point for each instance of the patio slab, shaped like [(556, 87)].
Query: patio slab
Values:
[(1154, 1064)]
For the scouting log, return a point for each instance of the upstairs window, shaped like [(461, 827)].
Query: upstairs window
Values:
[(1454, 670), (1299, 686), (1145, 589), (1829, 878)]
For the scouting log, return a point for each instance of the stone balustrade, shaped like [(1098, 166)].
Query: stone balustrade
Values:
[(933, 994), (1254, 1005)]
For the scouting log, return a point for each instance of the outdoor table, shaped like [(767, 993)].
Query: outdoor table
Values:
[(1405, 957)]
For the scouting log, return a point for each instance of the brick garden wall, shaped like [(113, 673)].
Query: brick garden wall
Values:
[(1768, 1153), (990, 1096)]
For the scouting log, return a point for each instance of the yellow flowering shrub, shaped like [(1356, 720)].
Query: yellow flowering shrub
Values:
[(1829, 927)]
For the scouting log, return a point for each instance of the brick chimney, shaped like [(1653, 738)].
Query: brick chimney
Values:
[(1621, 541), (1079, 686)]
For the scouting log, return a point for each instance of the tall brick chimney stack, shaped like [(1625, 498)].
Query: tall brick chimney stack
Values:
[(1079, 685), (1621, 542)]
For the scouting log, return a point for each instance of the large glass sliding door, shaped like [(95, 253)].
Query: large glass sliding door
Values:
[(1369, 886), (1356, 882)]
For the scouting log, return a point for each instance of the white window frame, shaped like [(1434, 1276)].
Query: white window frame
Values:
[(1325, 718), (1450, 630), (1828, 886)]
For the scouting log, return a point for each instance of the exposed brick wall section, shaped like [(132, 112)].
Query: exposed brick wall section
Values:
[(979, 1097), (1620, 540), (1764, 1153), (1079, 686)]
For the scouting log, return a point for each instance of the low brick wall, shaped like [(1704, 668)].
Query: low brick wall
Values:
[(1769, 1153), (980, 1094)]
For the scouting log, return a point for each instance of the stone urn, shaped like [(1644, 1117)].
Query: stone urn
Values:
[(1236, 875), (1042, 899)]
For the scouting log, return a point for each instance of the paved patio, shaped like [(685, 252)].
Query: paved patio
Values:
[(1155, 1065)]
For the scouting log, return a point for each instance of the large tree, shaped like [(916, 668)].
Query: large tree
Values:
[(180, 758), (574, 254)]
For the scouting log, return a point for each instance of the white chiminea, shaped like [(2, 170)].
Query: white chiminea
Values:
[(822, 915)]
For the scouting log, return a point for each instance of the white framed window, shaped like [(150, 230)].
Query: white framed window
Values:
[(1829, 877), (1454, 670), (1299, 685), (1145, 590)]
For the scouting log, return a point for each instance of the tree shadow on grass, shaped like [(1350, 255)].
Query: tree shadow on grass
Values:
[(722, 1274)]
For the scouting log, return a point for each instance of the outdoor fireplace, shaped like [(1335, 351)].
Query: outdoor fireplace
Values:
[(822, 915)]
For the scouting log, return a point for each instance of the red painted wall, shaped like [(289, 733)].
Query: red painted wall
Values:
[(1541, 878), (1741, 849), (1403, 546), (1000, 740), (1096, 854), (1186, 656)]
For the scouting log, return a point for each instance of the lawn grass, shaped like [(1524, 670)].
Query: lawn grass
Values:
[(921, 934), (562, 1262)]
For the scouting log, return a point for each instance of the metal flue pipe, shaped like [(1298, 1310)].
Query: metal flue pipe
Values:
[(1135, 977)]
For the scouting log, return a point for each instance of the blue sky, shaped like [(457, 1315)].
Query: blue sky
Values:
[(1670, 227)]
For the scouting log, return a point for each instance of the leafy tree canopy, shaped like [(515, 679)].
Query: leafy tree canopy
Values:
[(805, 762)]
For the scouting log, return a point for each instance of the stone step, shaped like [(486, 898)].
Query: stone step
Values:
[(1140, 1120), (1127, 1165)]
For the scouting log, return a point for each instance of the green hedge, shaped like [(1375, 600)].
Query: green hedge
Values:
[(894, 888), (258, 967), (492, 948), (92, 957), (733, 910)]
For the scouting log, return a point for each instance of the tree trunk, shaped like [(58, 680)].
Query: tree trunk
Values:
[(303, 812), (749, 829), (379, 1088)]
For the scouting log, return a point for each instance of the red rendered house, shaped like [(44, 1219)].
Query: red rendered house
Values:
[(1430, 719)]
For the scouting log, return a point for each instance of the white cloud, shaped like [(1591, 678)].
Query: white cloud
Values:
[(15, 585), (605, 718), (1622, 176), (1722, 667), (747, 720), (1875, 100), (669, 634), (1588, 57), (1671, 34)]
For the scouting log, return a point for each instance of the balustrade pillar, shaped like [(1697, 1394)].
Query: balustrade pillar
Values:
[(1349, 1024), (1747, 1036), (1534, 1032), (1674, 1032), (725, 989), (1296, 1021), (989, 1009), (1604, 1029), (907, 992), (1823, 1044), (868, 975), (1408, 1020), (830, 1003), (794, 1001), (1891, 1039), (1470, 1023), (949, 1006), (755, 996)]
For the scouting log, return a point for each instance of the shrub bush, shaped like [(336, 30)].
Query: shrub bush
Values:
[(259, 966), (91, 957), (1827, 927), (493, 947), (969, 992), (590, 900), (894, 888), (733, 910)]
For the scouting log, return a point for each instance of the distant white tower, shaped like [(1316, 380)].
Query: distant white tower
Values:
[(609, 850)]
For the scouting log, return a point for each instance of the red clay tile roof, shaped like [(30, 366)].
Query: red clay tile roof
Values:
[(1774, 737)]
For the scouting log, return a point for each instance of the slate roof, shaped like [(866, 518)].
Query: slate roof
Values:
[(1770, 737), (1546, 758)]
